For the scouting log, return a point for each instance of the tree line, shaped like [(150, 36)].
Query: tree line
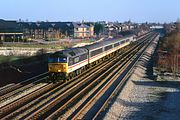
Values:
[(169, 53)]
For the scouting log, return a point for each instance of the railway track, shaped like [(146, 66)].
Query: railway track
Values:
[(97, 89), (63, 97), (97, 84), (22, 88), (119, 86), (62, 87), (99, 101), (24, 83), (20, 94), (39, 81), (48, 96), (37, 103), (9, 85)]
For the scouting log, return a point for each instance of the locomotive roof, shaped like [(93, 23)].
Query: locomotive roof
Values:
[(74, 51), (105, 42)]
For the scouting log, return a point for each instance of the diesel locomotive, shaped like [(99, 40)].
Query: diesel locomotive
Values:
[(68, 63)]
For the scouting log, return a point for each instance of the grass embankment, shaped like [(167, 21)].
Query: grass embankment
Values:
[(15, 69), (9, 59)]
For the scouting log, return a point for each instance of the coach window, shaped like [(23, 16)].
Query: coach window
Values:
[(127, 40), (108, 47), (122, 42), (83, 57), (116, 44), (95, 52)]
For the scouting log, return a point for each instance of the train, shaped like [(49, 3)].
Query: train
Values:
[(68, 63)]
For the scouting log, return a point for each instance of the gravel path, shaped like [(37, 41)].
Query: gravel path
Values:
[(144, 98)]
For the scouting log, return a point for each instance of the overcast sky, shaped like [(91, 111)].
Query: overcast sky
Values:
[(91, 10)]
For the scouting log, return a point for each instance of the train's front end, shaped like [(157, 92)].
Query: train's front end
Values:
[(58, 66)]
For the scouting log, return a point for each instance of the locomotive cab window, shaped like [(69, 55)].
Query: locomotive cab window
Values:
[(57, 57)]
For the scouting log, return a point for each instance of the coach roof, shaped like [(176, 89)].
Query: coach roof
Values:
[(105, 42)]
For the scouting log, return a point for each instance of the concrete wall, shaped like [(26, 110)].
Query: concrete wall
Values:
[(6, 51)]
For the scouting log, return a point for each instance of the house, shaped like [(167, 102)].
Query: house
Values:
[(10, 31), (82, 30), (56, 30), (44, 30), (47, 30)]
